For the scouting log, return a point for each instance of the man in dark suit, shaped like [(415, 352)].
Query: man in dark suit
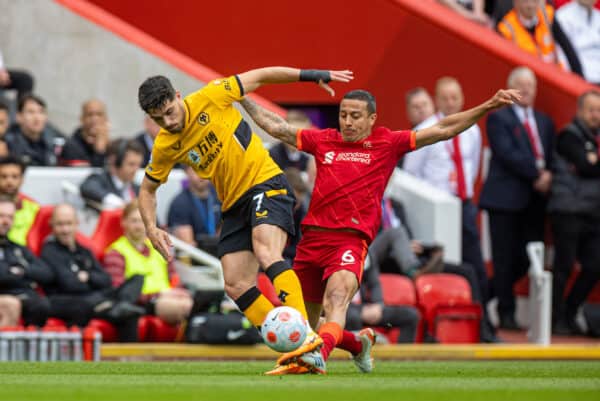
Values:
[(114, 187), (515, 191)]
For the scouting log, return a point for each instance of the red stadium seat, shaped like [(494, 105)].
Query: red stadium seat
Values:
[(397, 289), (108, 229), (40, 229), (266, 287), (153, 329), (109, 332), (448, 310)]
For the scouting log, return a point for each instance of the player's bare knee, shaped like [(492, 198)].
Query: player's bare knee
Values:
[(235, 289)]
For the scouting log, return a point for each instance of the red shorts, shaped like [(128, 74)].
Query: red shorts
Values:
[(322, 253)]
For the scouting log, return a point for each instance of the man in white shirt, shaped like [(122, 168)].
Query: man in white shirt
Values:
[(581, 23), (453, 166)]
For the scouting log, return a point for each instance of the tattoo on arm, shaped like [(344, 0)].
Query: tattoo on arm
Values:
[(272, 123)]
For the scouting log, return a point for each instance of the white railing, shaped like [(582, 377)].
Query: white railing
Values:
[(540, 296)]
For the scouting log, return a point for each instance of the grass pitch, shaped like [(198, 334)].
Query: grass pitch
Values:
[(148, 381)]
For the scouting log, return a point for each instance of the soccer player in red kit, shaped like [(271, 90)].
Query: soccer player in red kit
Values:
[(353, 168)]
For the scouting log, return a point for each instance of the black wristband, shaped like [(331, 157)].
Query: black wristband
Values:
[(315, 75)]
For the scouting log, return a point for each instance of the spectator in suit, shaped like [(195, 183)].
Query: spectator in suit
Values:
[(21, 273), (372, 311), (20, 80), (288, 156), (515, 192), (4, 123), (12, 171), (574, 208), (82, 289), (114, 187), (419, 106), (32, 140), (146, 138), (453, 166), (195, 213), (133, 254), (531, 26), (87, 146), (581, 24)]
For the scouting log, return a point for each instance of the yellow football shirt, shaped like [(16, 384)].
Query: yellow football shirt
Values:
[(216, 142)]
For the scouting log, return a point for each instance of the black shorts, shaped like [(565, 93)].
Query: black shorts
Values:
[(271, 202)]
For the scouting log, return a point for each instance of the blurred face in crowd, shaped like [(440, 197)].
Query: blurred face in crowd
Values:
[(151, 127), (133, 226), (11, 179), (32, 119), (355, 120), (171, 116), (132, 161), (7, 215), (589, 112), (419, 107), (4, 122), (449, 97), (64, 224), (93, 113), (526, 8), (526, 84), (297, 119)]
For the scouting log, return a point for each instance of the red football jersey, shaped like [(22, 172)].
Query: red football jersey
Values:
[(352, 176)]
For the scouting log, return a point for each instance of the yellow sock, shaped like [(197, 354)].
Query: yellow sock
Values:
[(289, 291), (255, 306)]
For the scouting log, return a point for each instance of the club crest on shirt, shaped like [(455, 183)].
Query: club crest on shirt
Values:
[(194, 157), (203, 118), (367, 145)]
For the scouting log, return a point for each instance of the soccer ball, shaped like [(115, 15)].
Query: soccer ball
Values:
[(284, 329)]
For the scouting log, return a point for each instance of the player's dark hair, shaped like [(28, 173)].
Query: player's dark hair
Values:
[(3, 106), (363, 95), (29, 97), (155, 92), (584, 95), (13, 161)]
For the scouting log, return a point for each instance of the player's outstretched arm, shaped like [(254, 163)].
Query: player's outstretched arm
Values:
[(271, 122), (147, 200), (253, 79), (454, 124)]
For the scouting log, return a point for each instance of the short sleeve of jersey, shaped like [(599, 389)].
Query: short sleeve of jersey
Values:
[(159, 166), (404, 141), (224, 91), (306, 139)]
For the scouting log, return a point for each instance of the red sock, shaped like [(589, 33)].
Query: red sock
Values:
[(331, 333), (350, 343)]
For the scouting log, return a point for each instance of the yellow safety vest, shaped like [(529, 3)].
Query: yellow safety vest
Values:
[(153, 267), (24, 218)]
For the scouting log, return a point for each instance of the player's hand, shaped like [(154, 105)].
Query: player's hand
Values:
[(505, 97), (337, 76), (161, 242)]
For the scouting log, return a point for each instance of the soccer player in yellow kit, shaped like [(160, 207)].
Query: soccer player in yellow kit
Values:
[(205, 131)]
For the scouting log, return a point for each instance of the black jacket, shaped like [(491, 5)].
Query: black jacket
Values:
[(576, 183), (77, 148), (32, 271), (98, 185), (66, 265), (41, 153)]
